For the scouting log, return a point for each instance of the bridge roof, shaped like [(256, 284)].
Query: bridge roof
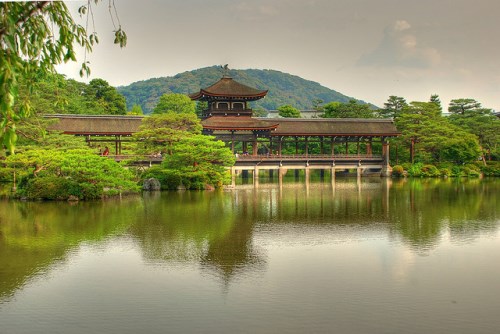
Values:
[(104, 125), (331, 127)]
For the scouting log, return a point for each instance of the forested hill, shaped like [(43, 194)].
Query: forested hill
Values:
[(283, 88)]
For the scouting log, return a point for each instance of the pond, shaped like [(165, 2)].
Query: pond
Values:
[(369, 256)]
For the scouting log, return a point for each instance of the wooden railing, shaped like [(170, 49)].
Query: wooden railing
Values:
[(308, 156)]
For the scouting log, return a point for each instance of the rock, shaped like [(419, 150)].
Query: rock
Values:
[(73, 198), (151, 184)]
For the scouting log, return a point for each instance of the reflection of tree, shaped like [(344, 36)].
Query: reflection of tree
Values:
[(205, 227), (34, 236), (422, 209), (235, 254)]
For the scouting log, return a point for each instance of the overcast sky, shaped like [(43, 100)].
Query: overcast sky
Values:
[(367, 49)]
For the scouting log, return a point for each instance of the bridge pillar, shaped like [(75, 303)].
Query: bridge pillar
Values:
[(256, 176), (386, 167), (308, 174)]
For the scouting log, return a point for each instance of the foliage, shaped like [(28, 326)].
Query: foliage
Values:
[(135, 110), (461, 106), (351, 109), (77, 172), (200, 160), (288, 111), (398, 171), (169, 179), (34, 37), (189, 158), (469, 115), (53, 94), (177, 103), (283, 88), (100, 95), (492, 168), (158, 133), (435, 99), (393, 107), (432, 138)]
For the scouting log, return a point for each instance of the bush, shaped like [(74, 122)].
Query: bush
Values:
[(169, 180), (49, 187), (415, 170), (430, 171), (492, 168), (398, 171), (445, 172)]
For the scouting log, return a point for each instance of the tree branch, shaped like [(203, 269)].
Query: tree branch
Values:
[(25, 17)]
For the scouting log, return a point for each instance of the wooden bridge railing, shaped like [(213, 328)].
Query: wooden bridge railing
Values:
[(309, 157)]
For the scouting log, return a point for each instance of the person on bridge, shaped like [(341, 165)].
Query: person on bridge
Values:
[(106, 151)]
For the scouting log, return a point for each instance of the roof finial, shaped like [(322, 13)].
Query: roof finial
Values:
[(226, 71)]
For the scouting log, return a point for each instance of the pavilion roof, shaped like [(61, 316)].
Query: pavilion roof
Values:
[(334, 127), (95, 124), (229, 89), (238, 123)]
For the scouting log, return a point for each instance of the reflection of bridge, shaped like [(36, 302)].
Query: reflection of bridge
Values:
[(361, 163)]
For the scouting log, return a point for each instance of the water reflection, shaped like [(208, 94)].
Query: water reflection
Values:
[(217, 230), (35, 236)]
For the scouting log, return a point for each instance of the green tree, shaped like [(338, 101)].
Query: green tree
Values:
[(34, 37), (135, 110), (481, 122), (200, 160), (60, 173), (393, 107), (431, 138), (352, 109), (189, 157), (100, 95), (288, 111), (158, 133), (435, 99), (177, 103), (460, 106)]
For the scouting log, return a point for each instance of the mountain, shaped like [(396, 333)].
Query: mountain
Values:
[(283, 88)]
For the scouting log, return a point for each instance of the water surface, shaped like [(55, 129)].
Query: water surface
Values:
[(376, 256)]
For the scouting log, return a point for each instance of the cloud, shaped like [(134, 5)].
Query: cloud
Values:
[(400, 47)]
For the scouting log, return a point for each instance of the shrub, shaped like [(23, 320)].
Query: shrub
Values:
[(430, 171), (415, 170), (492, 168), (445, 172), (398, 171)]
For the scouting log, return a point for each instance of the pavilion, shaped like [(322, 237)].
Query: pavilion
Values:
[(229, 118)]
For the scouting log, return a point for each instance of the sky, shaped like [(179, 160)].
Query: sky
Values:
[(366, 49)]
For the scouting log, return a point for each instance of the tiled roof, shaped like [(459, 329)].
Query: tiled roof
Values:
[(127, 125), (334, 127), (227, 87), (96, 125)]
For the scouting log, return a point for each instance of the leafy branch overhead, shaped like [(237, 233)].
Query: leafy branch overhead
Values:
[(34, 38)]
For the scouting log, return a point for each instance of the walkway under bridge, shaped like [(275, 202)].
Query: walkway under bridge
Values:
[(361, 164)]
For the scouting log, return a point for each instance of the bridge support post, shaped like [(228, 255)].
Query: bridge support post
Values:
[(281, 173), (256, 176), (233, 177), (308, 174), (386, 167)]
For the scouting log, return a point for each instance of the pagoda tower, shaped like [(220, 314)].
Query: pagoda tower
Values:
[(228, 116), (227, 97)]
